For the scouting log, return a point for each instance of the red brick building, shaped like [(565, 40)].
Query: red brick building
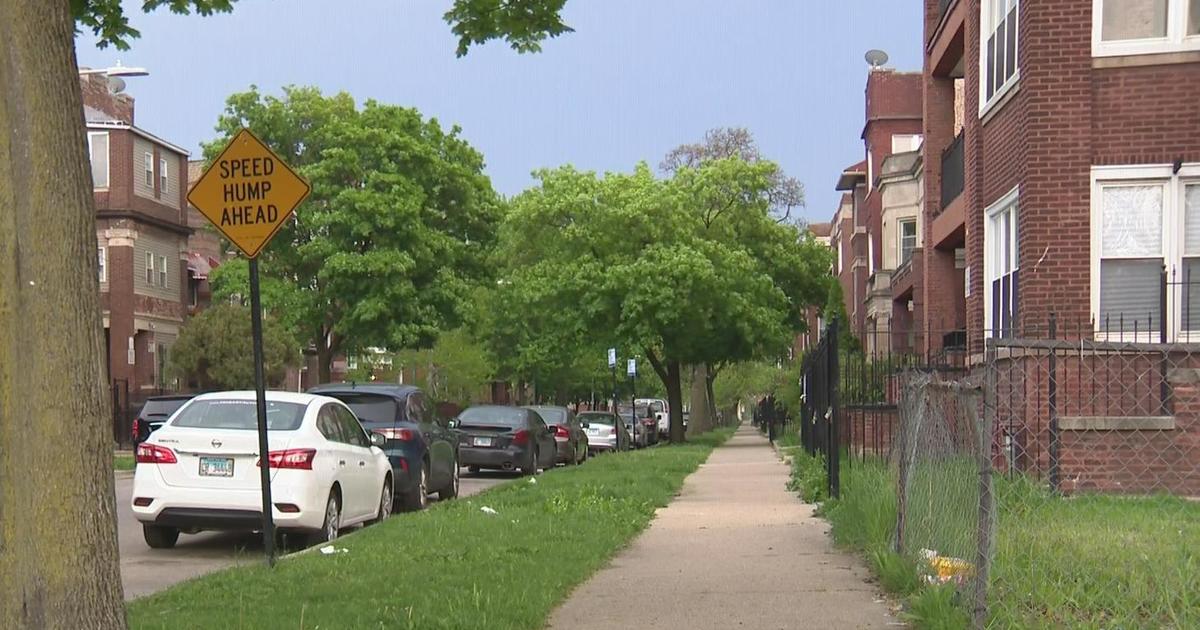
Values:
[(1068, 174), (139, 182)]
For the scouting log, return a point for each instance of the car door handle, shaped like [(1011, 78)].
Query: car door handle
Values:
[(362, 463), (341, 462)]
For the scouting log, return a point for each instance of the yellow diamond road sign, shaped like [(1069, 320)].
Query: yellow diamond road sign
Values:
[(248, 193)]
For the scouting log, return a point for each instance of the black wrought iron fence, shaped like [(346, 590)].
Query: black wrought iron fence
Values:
[(819, 405)]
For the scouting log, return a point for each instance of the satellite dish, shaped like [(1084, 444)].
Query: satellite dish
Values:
[(116, 85), (876, 58)]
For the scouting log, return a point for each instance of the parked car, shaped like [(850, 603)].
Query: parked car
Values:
[(640, 436), (605, 432), (200, 471), (154, 413), (422, 448), (505, 438), (568, 433), (661, 412)]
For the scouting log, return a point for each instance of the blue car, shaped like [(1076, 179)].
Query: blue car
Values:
[(422, 448)]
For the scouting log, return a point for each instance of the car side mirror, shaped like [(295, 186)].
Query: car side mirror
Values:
[(585, 425), (377, 439), (452, 423)]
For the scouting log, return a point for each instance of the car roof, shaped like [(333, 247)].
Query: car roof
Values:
[(381, 389), (171, 397), (536, 407), (271, 396)]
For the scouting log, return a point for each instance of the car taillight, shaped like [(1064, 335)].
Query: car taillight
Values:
[(133, 430), (296, 458), (520, 437), (404, 435), (154, 454), (561, 432)]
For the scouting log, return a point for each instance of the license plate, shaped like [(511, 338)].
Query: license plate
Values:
[(483, 441), (216, 467)]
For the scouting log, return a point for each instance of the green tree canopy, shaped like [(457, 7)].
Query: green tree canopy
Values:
[(387, 247), (213, 350)]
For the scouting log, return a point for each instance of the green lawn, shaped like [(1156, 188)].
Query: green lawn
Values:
[(451, 566), (1088, 561), (123, 462)]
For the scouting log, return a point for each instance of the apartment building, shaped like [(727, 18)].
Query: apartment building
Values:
[(1066, 168), (142, 238)]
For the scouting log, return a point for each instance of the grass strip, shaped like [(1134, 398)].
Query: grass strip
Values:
[(123, 462), (451, 566), (1092, 560)]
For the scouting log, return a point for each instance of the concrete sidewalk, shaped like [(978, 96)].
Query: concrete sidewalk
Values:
[(736, 549)]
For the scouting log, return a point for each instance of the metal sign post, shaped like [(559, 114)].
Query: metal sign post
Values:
[(249, 193), (631, 370), (612, 365)]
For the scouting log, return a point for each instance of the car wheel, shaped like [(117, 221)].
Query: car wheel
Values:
[(450, 491), (333, 521), (532, 467), (385, 503), (573, 460), (419, 497), (159, 537)]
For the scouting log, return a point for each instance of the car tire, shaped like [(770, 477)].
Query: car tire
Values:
[(332, 525), (159, 537), (573, 460), (531, 468), (450, 491), (386, 499), (418, 499)]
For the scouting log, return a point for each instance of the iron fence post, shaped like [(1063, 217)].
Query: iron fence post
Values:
[(1052, 398), (833, 454)]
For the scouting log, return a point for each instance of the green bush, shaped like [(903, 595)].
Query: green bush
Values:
[(809, 477)]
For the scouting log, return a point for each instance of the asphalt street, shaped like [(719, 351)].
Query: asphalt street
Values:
[(145, 570)]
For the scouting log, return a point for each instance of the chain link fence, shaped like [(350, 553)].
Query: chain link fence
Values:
[(1054, 480)]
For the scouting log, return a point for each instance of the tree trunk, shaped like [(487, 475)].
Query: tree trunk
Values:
[(700, 420), (58, 536), (675, 401), (712, 397), (324, 363)]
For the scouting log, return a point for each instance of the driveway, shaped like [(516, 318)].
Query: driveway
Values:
[(145, 570)]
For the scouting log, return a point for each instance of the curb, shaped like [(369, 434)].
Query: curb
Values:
[(123, 474)]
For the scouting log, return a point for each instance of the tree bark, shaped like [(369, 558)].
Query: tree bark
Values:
[(700, 421), (710, 378), (58, 536), (675, 401)]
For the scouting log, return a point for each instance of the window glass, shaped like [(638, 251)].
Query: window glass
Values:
[(329, 425), (492, 416), (369, 407), (102, 256), (1193, 23), (351, 429), (1134, 19), (98, 148), (162, 175), (162, 271), (149, 165), (149, 269), (239, 415), (416, 411), (1131, 220), (908, 239), (1129, 294)]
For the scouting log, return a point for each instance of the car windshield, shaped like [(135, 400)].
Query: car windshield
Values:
[(596, 418), (551, 415), (239, 415), (371, 408), (494, 416), (162, 408)]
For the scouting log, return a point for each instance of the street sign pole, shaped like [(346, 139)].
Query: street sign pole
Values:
[(632, 370), (249, 193), (260, 396)]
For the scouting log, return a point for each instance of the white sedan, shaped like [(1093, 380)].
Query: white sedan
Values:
[(200, 471)]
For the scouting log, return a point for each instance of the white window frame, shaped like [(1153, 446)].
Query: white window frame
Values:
[(870, 170), (102, 259), (107, 155), (870, 255), (1176, 40), (162, 271), (916, 238), (149, 169), (162, 175), (1011, 199), (919, 140), (986, 29), (1172, 251), (150, 268)]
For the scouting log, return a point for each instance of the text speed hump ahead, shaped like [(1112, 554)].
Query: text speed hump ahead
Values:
[(248, 193)]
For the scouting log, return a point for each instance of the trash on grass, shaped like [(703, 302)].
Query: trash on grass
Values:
[(945, 568), (330, 550), (487, 510), (532, 480)]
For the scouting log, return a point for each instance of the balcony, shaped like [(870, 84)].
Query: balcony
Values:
[(952, 172)]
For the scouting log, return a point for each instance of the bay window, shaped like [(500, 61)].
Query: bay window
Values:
[(997, 50), (1001, 267), (1134, 27), (1146, 251), (908, 239)]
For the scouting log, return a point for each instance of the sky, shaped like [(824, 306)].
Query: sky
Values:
[(636, 78)]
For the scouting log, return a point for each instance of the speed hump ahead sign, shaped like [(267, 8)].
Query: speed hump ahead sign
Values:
[(248, 193)]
